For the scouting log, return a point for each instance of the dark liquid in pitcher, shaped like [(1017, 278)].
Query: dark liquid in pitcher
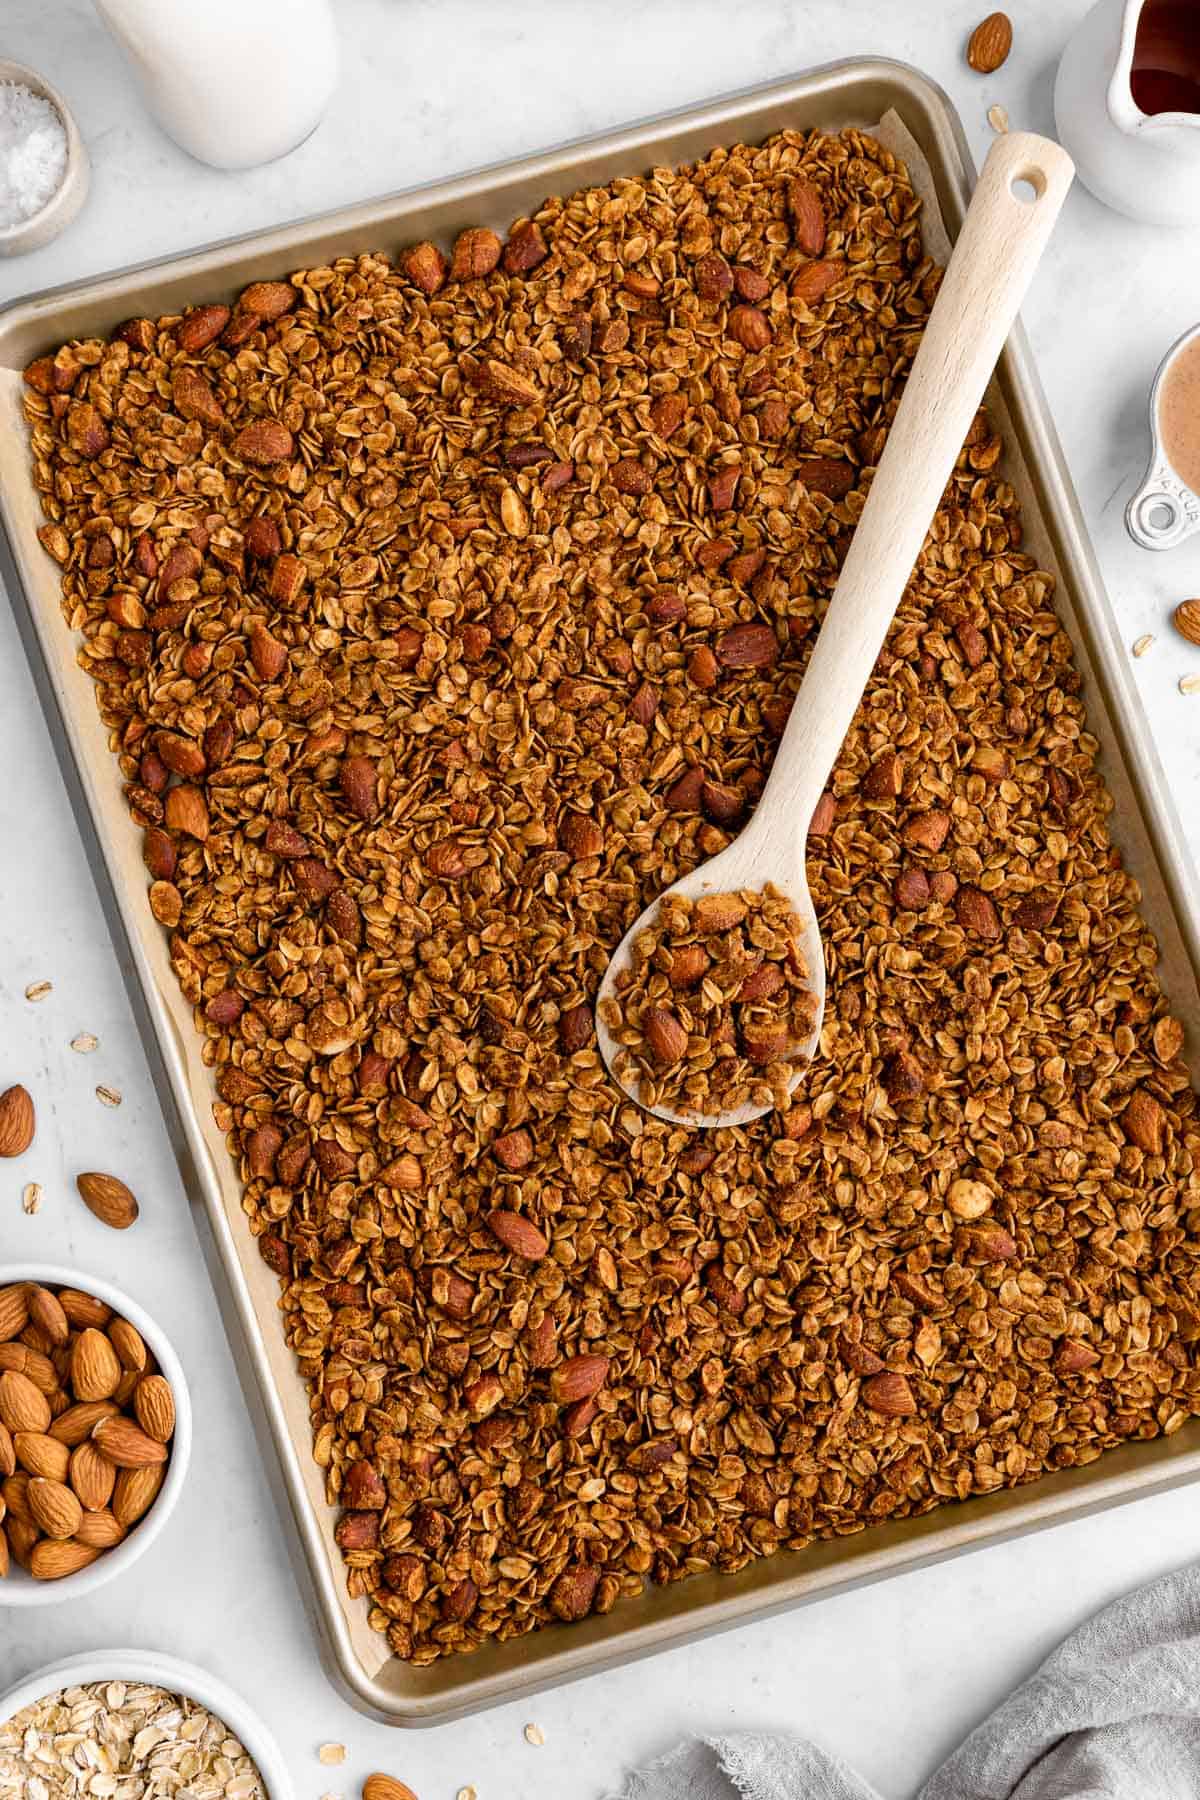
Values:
[(1166, 57)]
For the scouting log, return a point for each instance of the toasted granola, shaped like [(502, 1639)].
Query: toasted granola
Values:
[(443, 612), (713, 1006)]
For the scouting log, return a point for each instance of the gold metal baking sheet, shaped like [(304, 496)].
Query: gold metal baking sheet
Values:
[(1145, 826)]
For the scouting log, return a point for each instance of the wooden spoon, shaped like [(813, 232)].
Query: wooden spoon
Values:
[(1016, 202)]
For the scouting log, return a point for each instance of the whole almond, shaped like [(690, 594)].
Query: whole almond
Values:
[(154, 1405), (357, 779), (518, 1234), (386, 1787), (268, 300), (40, 1454), (827, 475), (99, 1529), (193, 398), (578, 1378), (748, 647), (425, 266), (78, 1422), (975, 912), (263, 442), (23, 1535), (135, 1492), (8, 1455), (54, 1507), (476, 253), (22, 1406), (126, 1445), (52, 1559), (808, 217), (14, 1311), (46, 1312), (187, 811), (113, 1204), (129, 1345), (1187, 620), (990, 43), (665, 1035), (814, 280), (182, 755), (16, 1495), (91, 1475), (750, 327), (201, 327), (4, 1554), (95, 1366), (268, 655), (17, 1121), (889, 1393)]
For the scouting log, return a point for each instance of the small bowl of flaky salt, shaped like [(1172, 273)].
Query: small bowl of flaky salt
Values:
[(44, 169)]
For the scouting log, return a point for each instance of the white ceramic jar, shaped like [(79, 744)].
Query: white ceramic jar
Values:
[(234, 82)]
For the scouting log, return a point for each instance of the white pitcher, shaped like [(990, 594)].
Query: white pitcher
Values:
[(1127, 103), (235, 82)]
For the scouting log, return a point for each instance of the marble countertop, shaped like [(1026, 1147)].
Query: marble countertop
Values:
[(891, 1676)]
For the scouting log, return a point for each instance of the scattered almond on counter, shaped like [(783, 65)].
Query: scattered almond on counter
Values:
[(108, 1199), (1187, 620), (990, 43), (78, 1470), (386, 1787), (17, 1121)]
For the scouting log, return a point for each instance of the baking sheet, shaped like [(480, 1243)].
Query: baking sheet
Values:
[(919, 124)]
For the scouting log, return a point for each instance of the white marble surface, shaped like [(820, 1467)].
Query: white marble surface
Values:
[(892, 1676)]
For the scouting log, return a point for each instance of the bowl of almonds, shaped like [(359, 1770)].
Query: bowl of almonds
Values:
[(95, 1433)]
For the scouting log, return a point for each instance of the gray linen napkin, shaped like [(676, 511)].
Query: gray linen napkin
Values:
[(1114, 1714)]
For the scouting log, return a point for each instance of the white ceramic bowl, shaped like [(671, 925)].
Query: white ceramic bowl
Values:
[(71, 192), (19, 1588), (165, 1672)]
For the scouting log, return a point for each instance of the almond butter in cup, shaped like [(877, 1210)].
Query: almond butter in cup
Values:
[(713, 1004)]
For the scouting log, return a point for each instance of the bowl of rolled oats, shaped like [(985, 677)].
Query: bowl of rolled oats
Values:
[(134, 1725), (95, 1433)]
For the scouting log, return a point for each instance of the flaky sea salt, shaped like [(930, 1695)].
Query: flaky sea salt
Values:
[(33, 152)]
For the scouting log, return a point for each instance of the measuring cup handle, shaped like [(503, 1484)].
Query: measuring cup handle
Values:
[(1162, 512)]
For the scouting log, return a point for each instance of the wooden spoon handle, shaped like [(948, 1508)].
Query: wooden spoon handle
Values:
[(998, 248)]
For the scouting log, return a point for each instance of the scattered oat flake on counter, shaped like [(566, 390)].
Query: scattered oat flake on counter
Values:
[(535, 1735), (1142, 644), (997, 118), (31, 1197), (109, 1096), (85, 1043), (1189, 684), (37, 990), (331, 1753), (467, 1793)]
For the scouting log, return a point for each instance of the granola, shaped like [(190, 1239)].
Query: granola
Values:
[(714, 1005), (442, 613)]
